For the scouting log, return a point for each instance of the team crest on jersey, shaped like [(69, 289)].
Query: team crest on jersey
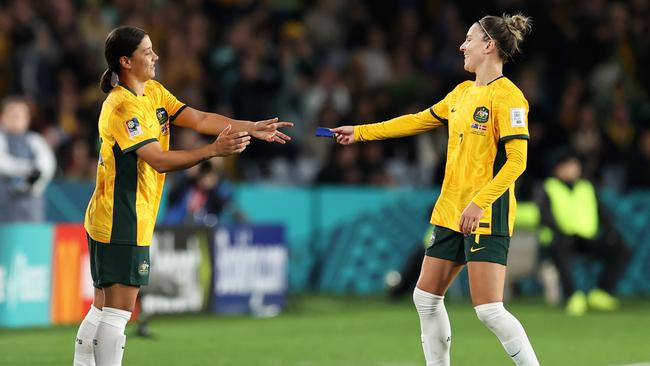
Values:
[(161, 114), (133, 127), (143, 269), (481, 114)]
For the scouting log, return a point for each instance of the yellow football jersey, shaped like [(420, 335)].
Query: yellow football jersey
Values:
[(124, 206), (480, 120)]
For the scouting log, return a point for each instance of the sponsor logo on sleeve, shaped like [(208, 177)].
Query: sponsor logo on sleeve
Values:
[(518, 117)]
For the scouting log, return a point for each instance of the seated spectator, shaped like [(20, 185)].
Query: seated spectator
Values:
[(201, 196), (573, 221), (27, 164), (341, 167)]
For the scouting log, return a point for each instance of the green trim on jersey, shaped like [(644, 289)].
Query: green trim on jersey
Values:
[(442, 120), (138, 145), (125, 220), (500, 207), (178, 112), (497, 78), (512, 137), (127, 88)]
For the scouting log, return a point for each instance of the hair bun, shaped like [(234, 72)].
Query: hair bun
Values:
[(518, 24)]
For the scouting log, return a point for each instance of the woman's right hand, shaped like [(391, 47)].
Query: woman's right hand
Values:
[(344, 135), (229, 143)]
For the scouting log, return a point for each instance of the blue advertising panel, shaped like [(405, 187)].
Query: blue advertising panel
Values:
[(250, 270), (25, 274)]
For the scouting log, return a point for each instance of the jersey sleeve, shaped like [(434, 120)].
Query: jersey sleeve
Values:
[(516, 155), (406, 125), (173, 106), (440, 110), (127, 125), (512, 117), (411, 124)]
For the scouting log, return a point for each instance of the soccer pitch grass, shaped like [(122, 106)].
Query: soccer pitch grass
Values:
[(319, 331)]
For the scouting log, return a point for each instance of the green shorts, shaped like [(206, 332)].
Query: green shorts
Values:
[(115, 263), (455, 246)]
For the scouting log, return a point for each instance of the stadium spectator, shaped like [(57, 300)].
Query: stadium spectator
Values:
[(573, 221), (342, 166), (27, 164), (638, 177), (474, 214), (338, 53), (202, 197)]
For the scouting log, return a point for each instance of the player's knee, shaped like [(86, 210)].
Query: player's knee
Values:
[(487, 313), (420, 300), (426, 303)]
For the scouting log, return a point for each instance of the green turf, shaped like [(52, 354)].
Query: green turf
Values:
[(317, 331)]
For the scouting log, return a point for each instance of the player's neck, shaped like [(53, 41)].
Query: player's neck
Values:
[(488, 72), (134, 85)]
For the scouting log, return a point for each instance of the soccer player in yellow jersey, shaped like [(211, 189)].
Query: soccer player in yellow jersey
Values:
[(133, 159), (474, 215)]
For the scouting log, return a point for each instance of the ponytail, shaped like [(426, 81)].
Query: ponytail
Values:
[(122, 41), (106, 82)]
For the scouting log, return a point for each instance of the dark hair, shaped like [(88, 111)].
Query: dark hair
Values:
[(507, 32), (11, 99), (559, 155), (122, 41)]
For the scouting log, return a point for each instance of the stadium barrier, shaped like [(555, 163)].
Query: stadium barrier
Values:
[(45, 275), (345, 239)]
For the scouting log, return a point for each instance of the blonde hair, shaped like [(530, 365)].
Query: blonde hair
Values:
[(507, 31)]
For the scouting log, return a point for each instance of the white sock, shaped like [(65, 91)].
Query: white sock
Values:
[(509, 331), (436, 330), (110, 339), (83, 345)]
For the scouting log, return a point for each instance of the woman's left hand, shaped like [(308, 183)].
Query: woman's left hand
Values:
[(470, 218), (268, 131)]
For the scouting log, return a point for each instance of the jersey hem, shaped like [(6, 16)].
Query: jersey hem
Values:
[(479, 232)]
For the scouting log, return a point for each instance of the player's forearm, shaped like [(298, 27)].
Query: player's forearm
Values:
[(406, 125), (168, 161), (213, 124), (514, 166)]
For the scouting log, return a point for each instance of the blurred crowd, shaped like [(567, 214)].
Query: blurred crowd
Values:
[(584, 70)]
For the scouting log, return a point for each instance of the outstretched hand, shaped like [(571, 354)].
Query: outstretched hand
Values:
[(344, 135), (229, 142), (268, 131)]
